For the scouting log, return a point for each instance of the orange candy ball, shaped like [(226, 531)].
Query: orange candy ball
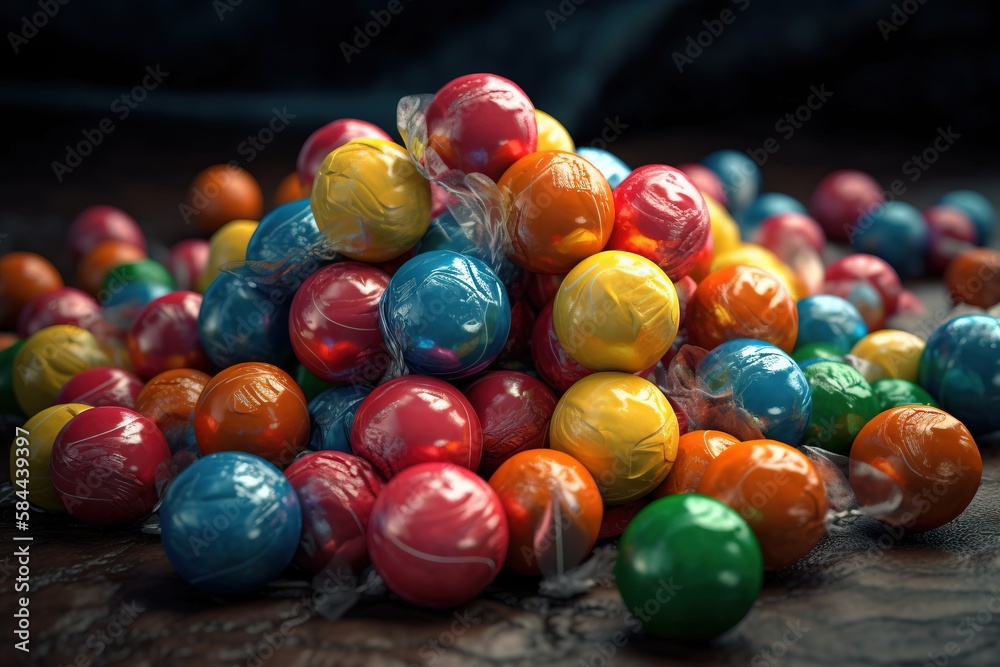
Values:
[(926, 453), (974, 277), (23, 276), (742, 302), (562, 210), (96, 264), (289, 189), (779, 492), (554, 510), (695, 450), (222, 193)]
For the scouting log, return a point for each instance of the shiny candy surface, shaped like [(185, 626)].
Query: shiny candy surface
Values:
[(775, 230), (165, 336), (923, 452), (336, 492), (141, 271), (288, 229), (48, 360), (169, 400), (841, 198), (622, 429), (843, 402), (551, 360), (446, 234), (96, 224), (698, 541), (327, 138), (255, 408), (893, 392), (895, 353), (123, 306), (616, 311), (250, 509), (750, 254), (695, 450), (974, 277), (100, 387), (552, 136), (950, 232), (238, 322), (705, 180), (825, 318), (779, 492), (562, 210), (332, 417), (896, 232), (95, 265), (23, 276), (108, 464), (553, 509), (227, 245), (864, 297), (872, 270), (437, 535), (221, 193), (66, 305), (612, 166), (42, 431), (416, 419), (739, 175)]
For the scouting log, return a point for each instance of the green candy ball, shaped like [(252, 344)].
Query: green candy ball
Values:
[(310, 385), (689, 567), (142, 271), (843, 402), (827, 351), (893, 392), (8, 402)]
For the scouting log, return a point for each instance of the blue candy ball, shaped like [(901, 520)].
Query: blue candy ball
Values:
[(960, 367), (609, 164), (897, 233), (287, 229), (238, 323), (123, 305), (765, 382), (766, 205), (230, 523), (444, 233), (740, 177), (825, 318), (978, 208), (448, 313), (332, 417)]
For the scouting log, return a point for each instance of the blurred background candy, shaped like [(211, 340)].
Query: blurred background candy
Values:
[(950, 232), (739, 175), (896, 232), (97, 224), (65, 305), (978, 208), (23, 276), (221, 193), (48, 360), (767, 205), (96, 264), (187, 260), (974, 277), (841, 198)]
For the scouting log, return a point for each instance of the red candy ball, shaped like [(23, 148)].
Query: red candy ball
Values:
[(66, 305), (255, 408), (169, 399), (104, 386), (336, 492), (872, 270), (618, 517), (437, 535), (23, 276), (518, 345), (325, 139), (187, 261), (776, 231), (514, 410), (951, 232), (97, 224), (542, 288), (165, 336), (107, 467), (333, 323), (553, 363), (705, 180), (481, 123), (661, 215), (841, 198)]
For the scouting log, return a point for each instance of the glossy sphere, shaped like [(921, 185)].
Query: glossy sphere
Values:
[(255, 408), (704, 544), (108, 464), (616, 311), (95, 265), (562, 210), (23, 276), (334, 323), (974, 277), (165, 336), (327, 138), (825, 318), (481, 123), (221, 193), (122, 308), (250, 510), (514, 411), (779, 492), (169, 400), (893, 392), (416, 419), (841, 198), (553, 509), (950, 232), (288, 229), (551, 360), (370, 202), (622, 429), (872, 270), (776, 230), (742, 302), (768, 204), (97, 224), (332, 417), (227, 245), (437, 535), (186, 262), (238, 322), (448, 313), (48, 360), (290, 189), (695, 450), (141, 271), (895, 353), (960, 367), (725, 231), (66, 305), (552, 136), (42, 431), (864, 297), (336, 492), (843, 402), (896, 232), (750, 254), (977, 207), (705, 180), (612, 166), (763, 381), (740, 177), (924, 452), (661, 215), (101, 387)]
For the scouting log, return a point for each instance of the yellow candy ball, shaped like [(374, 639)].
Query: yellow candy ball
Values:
[(893, 353), (370, 201), (616, 311), (622, 429), (48, 360), (725, 231), (751, 254), (552, 136), (227, 245), (42, 431)]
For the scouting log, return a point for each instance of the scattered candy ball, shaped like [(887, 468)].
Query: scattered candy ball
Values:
[(140, 271), (841, 198), (895, 232), (97, 224), (169, 400), (766, 205), (228, 245), (614, 169), (739, 175), (65, 305), (239, 322), (23, 276), (323, 141), (829, 319), (776, 230), (842, 403), (895, 354), (978, 208), (106, 386), (974, 277), (287, 229), (165, 336), (950, 232), (187, 260), (705, 180), (894, 392), (872, 270), (221, 193), (695, 450), (48, 360), (42, 430), (552, 136), (289, 189), (95, 265)]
